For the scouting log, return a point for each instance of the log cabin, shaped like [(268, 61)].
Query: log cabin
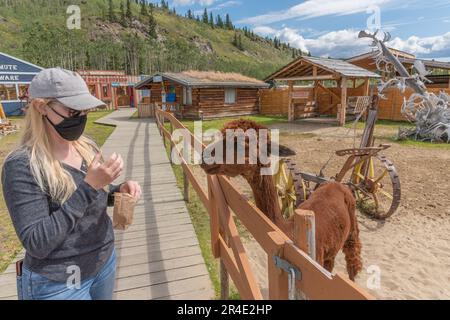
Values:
[(203, 94)]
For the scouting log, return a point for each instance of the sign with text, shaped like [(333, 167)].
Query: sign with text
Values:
[(15, 70)]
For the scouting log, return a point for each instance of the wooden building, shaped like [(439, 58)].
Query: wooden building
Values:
[(15, 78), (197, 94), (390, 108), (115, 88), (316, 86), (439, 71)]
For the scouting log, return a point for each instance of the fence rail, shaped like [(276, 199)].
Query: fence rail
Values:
[(223, 201)]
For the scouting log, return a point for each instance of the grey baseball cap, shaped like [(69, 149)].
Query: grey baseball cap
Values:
[(66, 86)]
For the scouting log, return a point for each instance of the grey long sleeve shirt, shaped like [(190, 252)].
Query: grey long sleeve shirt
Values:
[(77, 233)]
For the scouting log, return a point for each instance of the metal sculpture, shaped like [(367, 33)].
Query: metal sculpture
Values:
[(429, 112)]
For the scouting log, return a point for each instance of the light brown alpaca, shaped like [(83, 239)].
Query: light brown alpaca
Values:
[(332, 203)]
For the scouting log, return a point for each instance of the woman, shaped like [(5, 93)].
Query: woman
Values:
[(57, 188)]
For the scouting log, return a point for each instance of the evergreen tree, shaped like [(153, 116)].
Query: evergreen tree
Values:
[(111, 15), (129, 14), (144, 11), (240, 45), (235, 40), (164, 5), (190, 16), (211, 20), (219, 21), (123, 21), (228, 23), (205, 17), (152, 26)]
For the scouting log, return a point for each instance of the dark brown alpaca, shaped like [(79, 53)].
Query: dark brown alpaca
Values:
[(332, 203)]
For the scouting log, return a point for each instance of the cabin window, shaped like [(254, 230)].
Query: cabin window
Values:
[(8, 92), (23, 91), (187, 96), (230, 96)]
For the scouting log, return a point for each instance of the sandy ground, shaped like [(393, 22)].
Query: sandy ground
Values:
[(411, 250)]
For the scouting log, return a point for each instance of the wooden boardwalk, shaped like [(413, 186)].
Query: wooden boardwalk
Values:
[(158, 256)]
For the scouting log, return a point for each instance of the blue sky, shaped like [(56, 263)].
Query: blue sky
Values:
[(330, 27)]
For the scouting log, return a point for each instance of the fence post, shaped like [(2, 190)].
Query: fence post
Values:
[(170, 144), (201, 116), (224, 282), (278, 279), (163, 124), (185, 187), (305, 232), (215, 222)]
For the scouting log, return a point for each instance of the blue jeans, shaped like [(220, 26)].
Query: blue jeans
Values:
[(32, 286)]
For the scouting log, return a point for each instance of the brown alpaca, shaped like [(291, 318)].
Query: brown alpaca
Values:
[(332, 203)]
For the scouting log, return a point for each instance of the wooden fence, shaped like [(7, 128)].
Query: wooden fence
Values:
[(276, 102), (391, 107), (223, 201), (148, 110)]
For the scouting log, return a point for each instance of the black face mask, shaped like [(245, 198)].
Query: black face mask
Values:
[(70, 129)]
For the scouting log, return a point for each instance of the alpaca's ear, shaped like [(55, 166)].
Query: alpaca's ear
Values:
[(284, 151)]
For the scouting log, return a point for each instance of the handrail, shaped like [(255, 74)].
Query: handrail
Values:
[(220, 200)]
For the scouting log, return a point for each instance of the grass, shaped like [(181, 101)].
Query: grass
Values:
[(98, 132), (219, 123), (390, 129), (422, 144), (386, 124), (9, 243)]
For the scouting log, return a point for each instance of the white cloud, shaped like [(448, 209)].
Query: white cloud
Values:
[(193, 2), (227, 4), (345, 43), (342, 43), (425, 46), (316, 8)]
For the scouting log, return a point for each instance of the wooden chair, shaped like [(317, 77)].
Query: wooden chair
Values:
[(6, 127), (357, 105)]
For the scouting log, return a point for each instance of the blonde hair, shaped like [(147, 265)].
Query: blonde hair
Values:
[(48, 172)]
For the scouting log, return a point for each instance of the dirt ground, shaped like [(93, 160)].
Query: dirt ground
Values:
[(410, 250)]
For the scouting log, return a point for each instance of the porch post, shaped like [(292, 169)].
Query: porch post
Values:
[(290, 105), (315, 91), (343, 111), (366, 87)]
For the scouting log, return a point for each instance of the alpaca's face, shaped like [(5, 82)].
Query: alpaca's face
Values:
[(235, 156), (223, 167)]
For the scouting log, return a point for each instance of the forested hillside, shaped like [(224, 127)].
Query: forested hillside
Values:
[(136, 36)]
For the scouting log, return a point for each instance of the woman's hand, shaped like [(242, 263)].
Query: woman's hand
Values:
[(101, 175), (131, 187)]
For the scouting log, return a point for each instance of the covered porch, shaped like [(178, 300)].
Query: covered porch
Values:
[(319, 87)]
